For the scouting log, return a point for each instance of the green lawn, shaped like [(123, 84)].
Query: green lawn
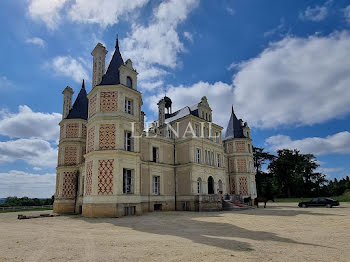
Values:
[(24, 210), (292, 200)]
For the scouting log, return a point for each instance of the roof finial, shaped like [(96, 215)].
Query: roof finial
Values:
[(233, 110), (117, 43)]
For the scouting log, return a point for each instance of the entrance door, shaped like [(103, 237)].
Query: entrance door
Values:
[(210, 185)]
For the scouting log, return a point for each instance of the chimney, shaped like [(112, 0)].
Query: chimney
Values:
[(161, 112), (98, 63), (67, 101), (142, 121)]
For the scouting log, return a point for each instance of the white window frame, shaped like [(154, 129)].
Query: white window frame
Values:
[(128, 177), (128, 147), (129, 106), (196, 130), (199, 186), (156, 185), (198, 156)]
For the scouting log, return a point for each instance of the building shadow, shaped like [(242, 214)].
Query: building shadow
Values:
[(190, 225)]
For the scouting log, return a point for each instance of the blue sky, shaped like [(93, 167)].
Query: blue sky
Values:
[(284, 65)]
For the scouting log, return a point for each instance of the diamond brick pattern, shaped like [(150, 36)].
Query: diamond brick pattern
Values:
[(229, 147), (83, 152), (61, 131), (232, 165), (91, 138), (243, 186), (69, 184), (108, 102), (88, 178), (240, 147), (83, 131), (233, 186), (57, 185), (105, 177), (107, 136), (92, 105), (241, 165), (72, 130), (70, 155)]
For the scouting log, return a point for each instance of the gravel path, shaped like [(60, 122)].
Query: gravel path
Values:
[(280, 232)]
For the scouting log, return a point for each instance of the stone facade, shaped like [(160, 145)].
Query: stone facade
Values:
[(108, 166)]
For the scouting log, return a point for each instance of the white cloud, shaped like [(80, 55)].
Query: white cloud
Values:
[(315, 14), (188, 36), (157, 44), (36, 41), (5, 83), (103, 12), (219, 96), (334, 144), (347, 14), (70, 67), (35, 152), (29, 124), (295, 82), (20, 184), (230, 11), (47, 11)]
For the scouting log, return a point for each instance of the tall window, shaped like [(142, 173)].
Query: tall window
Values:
[(196, 130), (209, 158), (129, 82), (199, 185), (217, 137), (206, 157), (155, 154), (128, 106), (249, 148), (128, 143), (156, 185), (198, 156), (218, 160), (127, 181), (212, 158)]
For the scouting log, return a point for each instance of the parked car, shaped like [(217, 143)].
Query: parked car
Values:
[(319, 201)]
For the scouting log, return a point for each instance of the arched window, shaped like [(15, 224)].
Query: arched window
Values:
[(199, 185), (210, 185), (220, 186), (129, 82)]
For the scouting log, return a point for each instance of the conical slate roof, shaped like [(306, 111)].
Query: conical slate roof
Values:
[(111, 77), (80, 106), (234, 127)]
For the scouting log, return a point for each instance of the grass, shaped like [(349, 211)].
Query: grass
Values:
[(292, 200), (24, 210)]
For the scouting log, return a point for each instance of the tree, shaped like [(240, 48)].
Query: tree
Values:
[(295, 173), (260, 158), (264, 181)]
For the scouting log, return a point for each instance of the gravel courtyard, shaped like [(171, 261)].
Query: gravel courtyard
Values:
[(281, 232)]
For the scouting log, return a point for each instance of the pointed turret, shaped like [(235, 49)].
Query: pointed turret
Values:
[(234, 127), (80, 106), (112, 75)]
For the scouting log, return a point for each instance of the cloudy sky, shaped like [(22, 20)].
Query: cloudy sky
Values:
[(284, 65)]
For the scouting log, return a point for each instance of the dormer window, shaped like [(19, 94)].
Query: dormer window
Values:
[(129, 82)]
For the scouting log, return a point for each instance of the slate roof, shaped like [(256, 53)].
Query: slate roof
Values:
[(187, 110), (111, 77), (79, 109), (234, 128)]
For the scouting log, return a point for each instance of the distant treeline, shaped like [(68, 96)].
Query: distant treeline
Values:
[(26, 201), (292, 174)]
